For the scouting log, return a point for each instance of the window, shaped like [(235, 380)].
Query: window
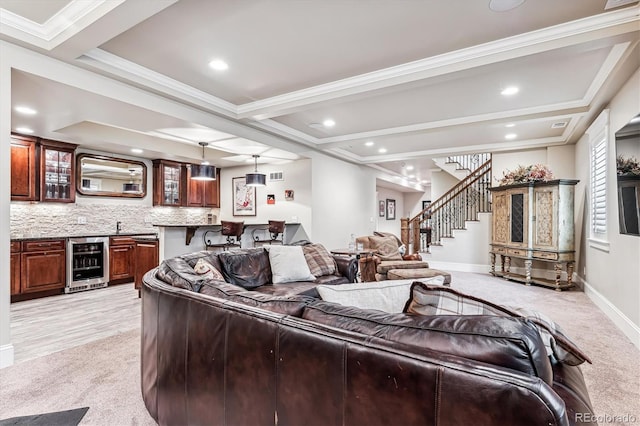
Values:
[(598, 143)]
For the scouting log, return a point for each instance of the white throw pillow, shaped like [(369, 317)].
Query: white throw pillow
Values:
[(388, 296), (288, 265)]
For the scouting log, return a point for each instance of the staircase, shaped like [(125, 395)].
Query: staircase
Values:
[(465, 206)]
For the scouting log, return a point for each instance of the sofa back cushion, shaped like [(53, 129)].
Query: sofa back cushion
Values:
[(287, 305), (504, 341), (430, 300), (247, 268), (387, 247), (178, 273), (320, 261)]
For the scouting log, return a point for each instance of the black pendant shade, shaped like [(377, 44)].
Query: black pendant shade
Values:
[(255, 178), (203, 171)]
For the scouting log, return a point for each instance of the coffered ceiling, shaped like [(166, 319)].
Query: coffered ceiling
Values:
[(417, 79)]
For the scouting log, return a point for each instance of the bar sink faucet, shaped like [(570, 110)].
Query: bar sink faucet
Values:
[(118, 227)]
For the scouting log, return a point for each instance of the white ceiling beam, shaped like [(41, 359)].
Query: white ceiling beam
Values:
[(559, 36)]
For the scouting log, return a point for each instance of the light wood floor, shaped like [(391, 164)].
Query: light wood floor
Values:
[(50, 324)]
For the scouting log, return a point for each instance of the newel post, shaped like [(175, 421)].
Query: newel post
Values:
[(404, 233)]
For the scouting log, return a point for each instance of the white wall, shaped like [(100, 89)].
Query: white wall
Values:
[(297, 177), (6, 348), (501, 162), (611, 277), (344, 200), (441, 182), (384, 224)]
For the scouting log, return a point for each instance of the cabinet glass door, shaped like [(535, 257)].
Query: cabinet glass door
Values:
[(58, 175), (171, 180)]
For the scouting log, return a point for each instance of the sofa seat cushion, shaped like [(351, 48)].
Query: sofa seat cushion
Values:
[(282, 304), (504, 341), (248, 268), (412, 274), (387, 265), (386, 296), (288, 289), (331, 280)]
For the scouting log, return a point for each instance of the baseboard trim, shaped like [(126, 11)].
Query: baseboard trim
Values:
[(631, 330), (462, 267), (6, 355)]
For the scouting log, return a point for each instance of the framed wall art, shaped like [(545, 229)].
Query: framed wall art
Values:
[(244, 197), (391, 209), (382, 209)]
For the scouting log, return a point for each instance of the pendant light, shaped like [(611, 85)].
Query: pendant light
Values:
[(255, 178), (203, 171)]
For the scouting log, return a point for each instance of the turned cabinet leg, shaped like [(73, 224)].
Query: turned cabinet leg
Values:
[(570, 273), (506, 264), (502, 262), (558, 269), (527, 271), (493, 263)]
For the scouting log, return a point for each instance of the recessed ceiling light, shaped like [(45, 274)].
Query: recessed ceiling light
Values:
[(219, 65), (25, 110), (510, 125), (511, 90), (368, 143), (409, 167), (24, 130), (510, 136), (328, 123), (382, 150), (504, 5), (136, 150), (205, 163)]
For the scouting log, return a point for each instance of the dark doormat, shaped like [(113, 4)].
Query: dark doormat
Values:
[(60, 418)]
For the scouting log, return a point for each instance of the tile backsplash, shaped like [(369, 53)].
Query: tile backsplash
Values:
[(50, 219)]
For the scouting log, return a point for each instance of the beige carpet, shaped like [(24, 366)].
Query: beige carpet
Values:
[(105, 375)]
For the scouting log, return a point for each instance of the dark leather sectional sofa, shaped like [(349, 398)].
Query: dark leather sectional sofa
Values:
[(217, 354)]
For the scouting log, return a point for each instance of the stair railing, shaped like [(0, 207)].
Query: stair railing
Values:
[(461, 203), (469, 161)]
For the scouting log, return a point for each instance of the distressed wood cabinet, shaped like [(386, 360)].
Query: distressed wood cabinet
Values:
[(147, 258), (534, 222)]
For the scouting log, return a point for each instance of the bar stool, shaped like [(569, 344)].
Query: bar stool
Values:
[(232, 230), (275, 229)]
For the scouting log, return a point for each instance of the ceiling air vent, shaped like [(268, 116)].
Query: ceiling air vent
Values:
[(276, 176), (559, 125), (611, 4)]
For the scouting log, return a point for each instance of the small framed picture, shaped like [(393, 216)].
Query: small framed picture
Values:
[(381, 208), (391, 209), (271, 198), (288, 194)]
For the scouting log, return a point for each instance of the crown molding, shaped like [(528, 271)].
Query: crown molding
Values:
[(488, 147), (499, 50), (60, 27), (124, 68), (562, 109)]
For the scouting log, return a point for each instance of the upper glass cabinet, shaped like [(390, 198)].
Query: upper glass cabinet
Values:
[(105, 176)]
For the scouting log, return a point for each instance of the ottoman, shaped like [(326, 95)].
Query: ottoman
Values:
[(410, 274)]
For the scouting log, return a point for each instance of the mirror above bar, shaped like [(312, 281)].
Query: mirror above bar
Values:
[(105, 176)]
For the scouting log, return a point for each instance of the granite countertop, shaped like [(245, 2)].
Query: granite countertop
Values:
[(146, 234)]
